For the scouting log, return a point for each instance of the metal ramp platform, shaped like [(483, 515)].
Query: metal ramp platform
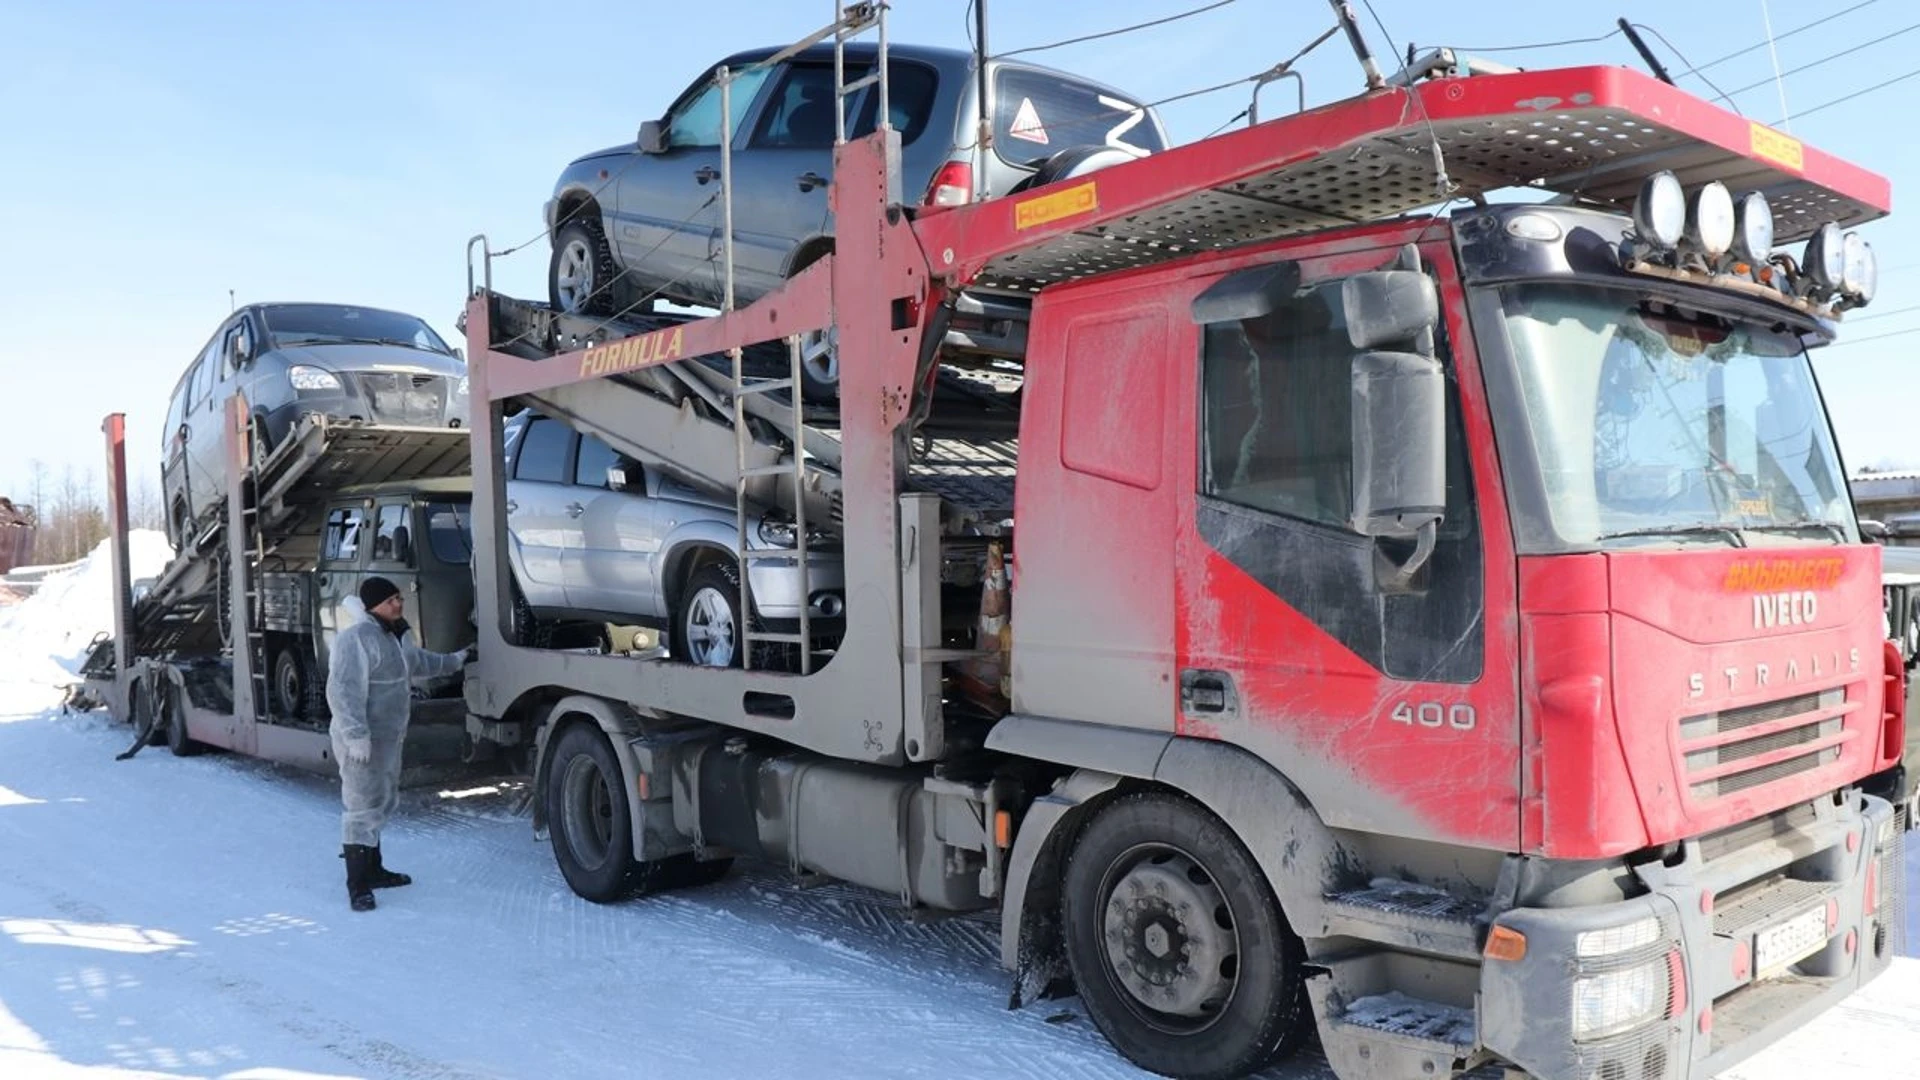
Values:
[(180, 612), (965, 451)]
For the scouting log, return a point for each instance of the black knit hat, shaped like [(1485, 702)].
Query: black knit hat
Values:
[(375, 590)]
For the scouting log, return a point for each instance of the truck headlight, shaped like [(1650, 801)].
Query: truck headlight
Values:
[(1617, 939), (1619, 1001), (312, 378)]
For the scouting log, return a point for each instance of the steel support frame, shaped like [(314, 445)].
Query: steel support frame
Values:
[(854, 706)]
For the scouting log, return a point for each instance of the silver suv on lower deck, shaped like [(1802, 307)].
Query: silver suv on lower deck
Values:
[(593, 535)]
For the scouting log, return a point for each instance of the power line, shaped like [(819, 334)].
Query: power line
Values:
[(1858, 93), (1777, 37), (1122, 30), (1830, 56), (1615, 32), (1684, 60), (1875, 337), (1886, 313)]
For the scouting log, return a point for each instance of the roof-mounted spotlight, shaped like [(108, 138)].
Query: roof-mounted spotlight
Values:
[(1660, 213), (1753, 229)]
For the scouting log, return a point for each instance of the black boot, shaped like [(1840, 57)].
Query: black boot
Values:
[(380, 877), (359, 864)]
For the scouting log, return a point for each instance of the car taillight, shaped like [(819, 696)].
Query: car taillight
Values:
[(952, 185)]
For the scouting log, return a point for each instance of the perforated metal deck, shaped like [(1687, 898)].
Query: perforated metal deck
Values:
[(1591, 134)]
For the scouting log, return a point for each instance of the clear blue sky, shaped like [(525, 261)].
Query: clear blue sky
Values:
[(155, 155)]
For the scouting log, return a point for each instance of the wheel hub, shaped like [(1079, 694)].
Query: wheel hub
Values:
[(573, 278), (1163, 930), (710, 633)]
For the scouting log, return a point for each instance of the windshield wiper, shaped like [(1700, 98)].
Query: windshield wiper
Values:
[(1831, 528), (316, 339), (1731, 534)]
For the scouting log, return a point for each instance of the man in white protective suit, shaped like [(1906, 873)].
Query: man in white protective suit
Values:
[(369, 690)]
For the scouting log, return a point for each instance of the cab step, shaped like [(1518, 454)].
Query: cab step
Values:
[(1408, 915)]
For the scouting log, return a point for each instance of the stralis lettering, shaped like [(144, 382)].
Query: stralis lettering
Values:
[(1815, 665), (1785, 609), (628, 354)]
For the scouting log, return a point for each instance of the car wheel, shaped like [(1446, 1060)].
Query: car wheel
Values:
[(1179, 950), (707, 630), (580, 274), (820, 365)]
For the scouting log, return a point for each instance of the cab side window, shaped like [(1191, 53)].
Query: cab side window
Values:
[(392, 540), (342, 543)]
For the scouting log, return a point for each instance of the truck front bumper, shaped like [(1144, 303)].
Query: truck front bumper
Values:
[(1741, 938)]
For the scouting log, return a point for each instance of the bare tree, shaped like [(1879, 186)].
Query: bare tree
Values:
[(143, 510)]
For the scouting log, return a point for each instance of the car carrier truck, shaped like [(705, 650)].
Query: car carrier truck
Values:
[(1442, 633), (1446, 633)]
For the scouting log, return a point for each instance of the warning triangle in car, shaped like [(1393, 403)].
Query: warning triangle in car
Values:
[(1026, 123)]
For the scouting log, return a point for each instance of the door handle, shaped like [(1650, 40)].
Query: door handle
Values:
[(810, 180), (512, 506), (706, 173), (575, 510)]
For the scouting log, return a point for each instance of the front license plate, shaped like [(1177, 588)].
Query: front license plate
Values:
[(1779, 947)]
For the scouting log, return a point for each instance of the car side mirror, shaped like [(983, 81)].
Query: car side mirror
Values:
[(1875, 531), (616, 478), (653, 137), (459, 353)]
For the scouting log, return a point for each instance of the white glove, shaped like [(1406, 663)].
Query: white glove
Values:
[(357, 750)]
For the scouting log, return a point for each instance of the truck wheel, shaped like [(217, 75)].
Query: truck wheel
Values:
[(591, 827), (580, 273), (146, 715), (176, 720), (1180, 952), (588, 817), (292, 680), (707, 628)]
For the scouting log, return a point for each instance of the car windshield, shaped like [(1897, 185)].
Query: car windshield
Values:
[(334, 324), (450, 532), (1656, 424)]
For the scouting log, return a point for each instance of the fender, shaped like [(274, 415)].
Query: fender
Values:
[(619, 724), (1299, 855)]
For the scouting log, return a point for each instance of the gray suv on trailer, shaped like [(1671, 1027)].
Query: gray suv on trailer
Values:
[(643, 219)]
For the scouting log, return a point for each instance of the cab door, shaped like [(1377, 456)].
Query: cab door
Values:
[(342, 561), (391, 554), (1390, 702)]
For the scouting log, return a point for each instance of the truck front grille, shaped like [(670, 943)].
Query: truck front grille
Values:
[(1716, 765)]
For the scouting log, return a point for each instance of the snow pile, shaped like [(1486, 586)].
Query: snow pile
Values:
[(45, 637)]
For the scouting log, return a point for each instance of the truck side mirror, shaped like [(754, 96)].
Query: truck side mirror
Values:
[(1399, 412), (1399, 454), (653, 137)]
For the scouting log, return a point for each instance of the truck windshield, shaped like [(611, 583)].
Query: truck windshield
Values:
[(1656, 424), (327, 324)]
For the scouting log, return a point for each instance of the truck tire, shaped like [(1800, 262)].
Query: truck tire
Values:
[(177, 739), (580, 272), (589, 821), (1180, 952), (591, 826), (293, 681)]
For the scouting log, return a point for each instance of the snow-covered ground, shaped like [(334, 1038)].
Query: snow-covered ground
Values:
[(169, 917)]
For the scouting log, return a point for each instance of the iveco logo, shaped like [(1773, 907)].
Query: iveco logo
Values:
[(1771, 610), (1760, 675)]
